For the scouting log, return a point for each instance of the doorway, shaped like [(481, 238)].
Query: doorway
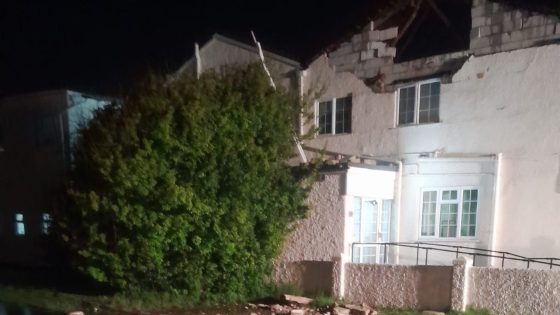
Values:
[(371, 224)]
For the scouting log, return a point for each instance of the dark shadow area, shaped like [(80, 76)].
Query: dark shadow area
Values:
[(438, 28)]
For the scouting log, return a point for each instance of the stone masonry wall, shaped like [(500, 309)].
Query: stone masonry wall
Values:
[(514, 291), (497, 28)]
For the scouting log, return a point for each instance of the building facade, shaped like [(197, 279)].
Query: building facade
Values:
[(38, 131), (473, 134)]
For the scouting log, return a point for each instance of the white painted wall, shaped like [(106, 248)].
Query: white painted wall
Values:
[(372, 114), (220, 52), (319, 237), (507, 104), (430, 173)]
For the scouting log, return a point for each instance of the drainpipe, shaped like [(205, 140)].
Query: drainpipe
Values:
[(496, 204), (273, 85), (198, 60), (398, 194)]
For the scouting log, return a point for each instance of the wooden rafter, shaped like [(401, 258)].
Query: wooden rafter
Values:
[(409, 22)]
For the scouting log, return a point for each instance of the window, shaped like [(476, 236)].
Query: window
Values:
[(20, 226), (449, 213), (45, 223), (418, 103), (334, 116)]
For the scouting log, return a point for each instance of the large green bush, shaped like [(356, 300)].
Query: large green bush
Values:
[(183, 187)]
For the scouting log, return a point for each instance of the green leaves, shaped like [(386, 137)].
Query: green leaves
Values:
[(183, 187)]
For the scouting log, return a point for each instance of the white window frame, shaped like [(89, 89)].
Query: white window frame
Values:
[(333, 118), (439, 191), (417, 85)]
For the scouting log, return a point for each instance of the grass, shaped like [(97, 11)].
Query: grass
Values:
[(322, 300), (60, 302), (47, 300)]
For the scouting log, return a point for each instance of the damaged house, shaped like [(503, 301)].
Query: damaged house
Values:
[(439, 145), (437, 155), (458, 148)]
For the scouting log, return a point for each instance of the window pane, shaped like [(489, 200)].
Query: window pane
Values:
[(470, 205), (356, 254), (429, 200), (324, 118), (423, 115), (369, 222), (448, 220), (429, 102), (386, 220), (357, 219), (20, 228), (343, 115), (369, 254), (45, 224), (19, 225), (449, 195), (407, 98)]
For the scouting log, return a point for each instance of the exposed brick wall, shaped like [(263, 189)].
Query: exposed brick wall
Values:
[(497, 27)]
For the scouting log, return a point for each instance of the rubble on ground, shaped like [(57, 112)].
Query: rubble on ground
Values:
[(299, 305)]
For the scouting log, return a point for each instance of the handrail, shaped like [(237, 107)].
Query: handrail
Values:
[(456, 249)]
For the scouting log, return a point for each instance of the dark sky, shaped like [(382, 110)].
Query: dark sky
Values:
[(104, 46)]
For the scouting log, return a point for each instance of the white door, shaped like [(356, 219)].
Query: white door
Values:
[(371, 221)]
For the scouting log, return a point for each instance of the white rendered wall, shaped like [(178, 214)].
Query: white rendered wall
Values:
[(435, 173), (319, 236), (503, 103), (506, 103), (372, 114), (219, 52)]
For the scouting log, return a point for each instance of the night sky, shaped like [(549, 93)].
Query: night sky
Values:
[(104, 47)]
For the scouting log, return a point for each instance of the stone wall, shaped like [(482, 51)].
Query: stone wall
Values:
[(514, 291), (497, 27)]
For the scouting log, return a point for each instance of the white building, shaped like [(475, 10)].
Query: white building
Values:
[(472, 135), (460, 148)]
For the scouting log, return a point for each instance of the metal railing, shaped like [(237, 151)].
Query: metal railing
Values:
[(461, 250)]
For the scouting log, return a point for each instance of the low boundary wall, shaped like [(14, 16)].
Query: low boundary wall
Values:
[(514, 291), (438, 288), (311, 277), (418, 287)]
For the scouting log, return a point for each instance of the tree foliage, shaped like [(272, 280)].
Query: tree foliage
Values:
[(183, 187)]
